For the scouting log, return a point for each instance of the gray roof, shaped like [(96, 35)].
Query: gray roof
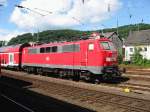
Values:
[(109, 34), (115, 38), (138, 38)]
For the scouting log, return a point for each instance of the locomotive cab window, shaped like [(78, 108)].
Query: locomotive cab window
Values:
[(107, 45)]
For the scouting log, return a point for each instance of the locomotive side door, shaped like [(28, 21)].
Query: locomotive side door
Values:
[(90, 53), (11, 58), (84, 53)]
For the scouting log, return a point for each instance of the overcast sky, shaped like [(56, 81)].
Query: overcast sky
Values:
[(69, 14)]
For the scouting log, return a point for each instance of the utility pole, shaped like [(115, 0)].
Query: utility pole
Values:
[(37, 38), (138, 27), (117, 26), (139, 24)]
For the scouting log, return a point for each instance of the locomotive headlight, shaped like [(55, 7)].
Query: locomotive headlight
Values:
[(108, 59)]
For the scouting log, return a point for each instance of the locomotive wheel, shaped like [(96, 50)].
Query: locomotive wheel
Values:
[(88, 76), (40, 71), (35, 71), (61, 74), (105, 76), (65, 73), (28, 71), (96, 80), (118, 73), (76, 76)]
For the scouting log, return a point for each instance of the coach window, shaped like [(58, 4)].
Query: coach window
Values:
[(54, 49), (91, 47), (32, 51), (42, 50)]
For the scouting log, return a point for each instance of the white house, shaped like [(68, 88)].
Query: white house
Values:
[(139, 40)]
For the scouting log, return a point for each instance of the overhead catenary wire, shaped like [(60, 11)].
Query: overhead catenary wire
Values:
[(2, 3), (77, 20), (22, 7), (130, 15), (43, 10)]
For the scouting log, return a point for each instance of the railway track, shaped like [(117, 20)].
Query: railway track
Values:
[(139, 79), (135, 87), (100, 98), (96, 100), (145, 72)]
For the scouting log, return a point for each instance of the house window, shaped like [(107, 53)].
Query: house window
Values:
[(145, 48), (139, 49), (131, 49)]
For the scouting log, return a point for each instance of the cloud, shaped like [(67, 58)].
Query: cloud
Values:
[(65, 13), (7, 35)]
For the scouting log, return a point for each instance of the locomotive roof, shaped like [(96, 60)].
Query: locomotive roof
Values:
[(72, 42)]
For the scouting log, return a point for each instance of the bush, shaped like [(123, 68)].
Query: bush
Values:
[(137, 59)]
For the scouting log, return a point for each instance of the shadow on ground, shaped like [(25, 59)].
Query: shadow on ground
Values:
[(115, 80), (15, 89)]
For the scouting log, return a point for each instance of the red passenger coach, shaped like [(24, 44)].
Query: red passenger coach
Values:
[(92, 58), (11, 56)]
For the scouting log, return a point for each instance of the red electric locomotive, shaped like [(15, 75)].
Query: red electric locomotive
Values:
[(91, 59)]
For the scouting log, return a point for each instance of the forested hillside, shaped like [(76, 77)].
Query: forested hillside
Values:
[(61, 35)]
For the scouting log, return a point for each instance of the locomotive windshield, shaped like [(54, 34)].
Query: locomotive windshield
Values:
[(107, 45)]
